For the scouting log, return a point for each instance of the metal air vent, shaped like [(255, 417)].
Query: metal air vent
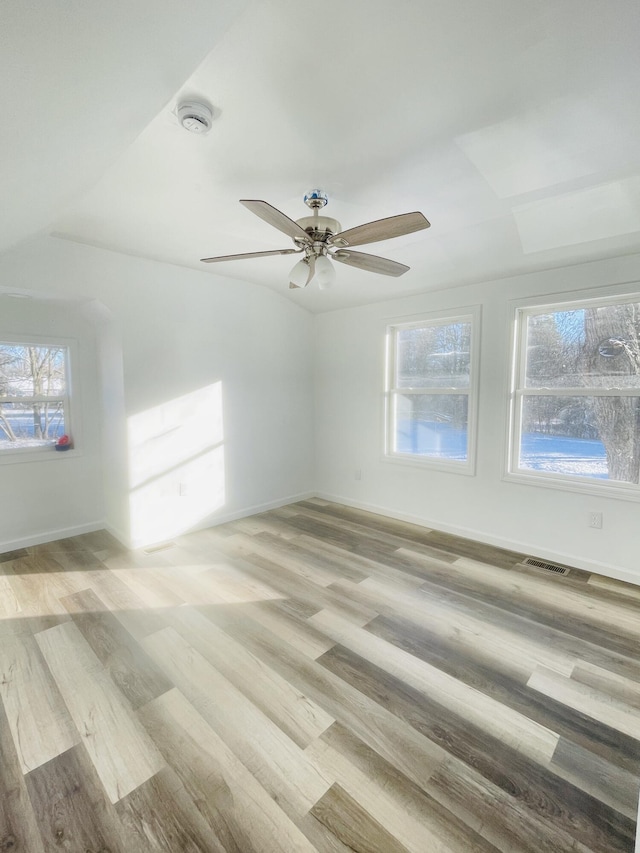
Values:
[(547, 567), (163, 546)]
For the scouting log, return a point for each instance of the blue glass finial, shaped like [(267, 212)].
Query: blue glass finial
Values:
[(316, 198)]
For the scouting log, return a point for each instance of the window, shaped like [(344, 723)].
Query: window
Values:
[(431, 391), (576, 395), (34, 410)]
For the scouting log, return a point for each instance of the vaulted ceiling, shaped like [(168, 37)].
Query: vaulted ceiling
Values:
[(513, 127)]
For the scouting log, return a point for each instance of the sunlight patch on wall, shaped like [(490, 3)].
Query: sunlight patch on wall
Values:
[(596, 213), (176, 465)]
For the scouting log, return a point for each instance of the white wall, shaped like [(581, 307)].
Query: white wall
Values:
[(349, 405), (166, 337), (56, 494), (205, 380)]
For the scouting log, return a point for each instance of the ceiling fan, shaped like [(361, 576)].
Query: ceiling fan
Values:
[(322, 240)]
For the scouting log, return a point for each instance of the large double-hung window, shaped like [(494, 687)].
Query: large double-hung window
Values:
[(34, 401), (576, 395), (431, 369)]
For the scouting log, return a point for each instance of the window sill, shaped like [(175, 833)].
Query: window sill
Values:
[(618, 491), (431, 463), (40, 454)]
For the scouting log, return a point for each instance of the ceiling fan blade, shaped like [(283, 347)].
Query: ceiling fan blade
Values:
[(370, 263), (381, 229), (276, 218), (250, 255)]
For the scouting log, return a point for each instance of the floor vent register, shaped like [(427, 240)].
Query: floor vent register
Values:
[(547, 567)]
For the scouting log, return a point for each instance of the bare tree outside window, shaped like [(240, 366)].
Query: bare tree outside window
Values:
[(612, 350), (429, 391), (33, 389), (579, 391)]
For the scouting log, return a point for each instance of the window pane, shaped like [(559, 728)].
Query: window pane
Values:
[(596, 347), (30, 424), (434, 356), (582, 436), (432, 425), (29, 371)]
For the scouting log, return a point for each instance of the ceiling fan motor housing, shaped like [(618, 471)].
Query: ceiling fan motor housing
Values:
[(319, 228)]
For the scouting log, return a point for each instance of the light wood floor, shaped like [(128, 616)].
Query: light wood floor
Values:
[(314, 679)]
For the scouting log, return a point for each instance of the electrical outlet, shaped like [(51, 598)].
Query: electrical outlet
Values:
[(358, 473), (183, 490), (595, 520)]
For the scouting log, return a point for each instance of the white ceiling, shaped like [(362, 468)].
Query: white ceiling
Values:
[(514, 127)]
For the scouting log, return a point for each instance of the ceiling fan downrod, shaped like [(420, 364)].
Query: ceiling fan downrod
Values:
[(319, 228)]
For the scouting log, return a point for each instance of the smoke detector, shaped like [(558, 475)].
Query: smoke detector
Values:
[(195, 116)]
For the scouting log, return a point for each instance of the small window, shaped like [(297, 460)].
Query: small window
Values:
[(576, 394), (34, 409), (431, 393)]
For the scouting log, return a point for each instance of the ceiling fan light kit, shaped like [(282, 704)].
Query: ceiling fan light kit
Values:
[(322, 240), (325, 272), (299, 275)]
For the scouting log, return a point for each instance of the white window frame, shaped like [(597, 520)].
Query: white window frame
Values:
[(8, 454), (469, 315), (517, 392)]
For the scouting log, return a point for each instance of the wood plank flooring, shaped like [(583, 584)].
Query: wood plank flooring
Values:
[(314, 678)]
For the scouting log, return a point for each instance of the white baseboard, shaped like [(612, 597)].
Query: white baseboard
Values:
[(50, 536), (214, 521), (254, 510), (118, 534), (531, 549), (125, 539)]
